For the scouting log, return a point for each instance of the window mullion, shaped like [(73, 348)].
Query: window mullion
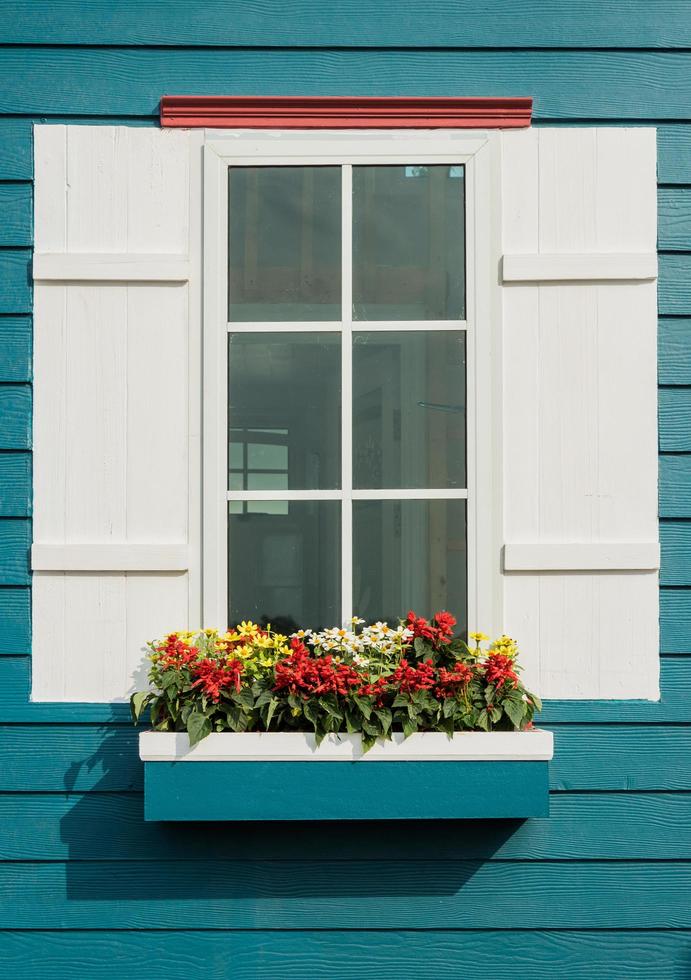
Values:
[(346, 393)]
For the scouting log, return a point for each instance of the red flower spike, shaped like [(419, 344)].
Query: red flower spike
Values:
[(214, 679), (499, 670), (305, 674), (445, 624)]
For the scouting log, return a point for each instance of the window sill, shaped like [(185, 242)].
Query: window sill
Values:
[(272, 776)]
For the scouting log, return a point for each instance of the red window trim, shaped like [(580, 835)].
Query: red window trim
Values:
[(343, 112)]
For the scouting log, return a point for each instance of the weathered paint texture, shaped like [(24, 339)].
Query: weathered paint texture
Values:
[(601, 889)]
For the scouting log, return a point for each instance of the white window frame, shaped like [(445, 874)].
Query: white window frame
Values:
[(479, 152)]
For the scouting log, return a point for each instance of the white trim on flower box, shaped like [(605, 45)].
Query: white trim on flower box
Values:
[(533, 745)]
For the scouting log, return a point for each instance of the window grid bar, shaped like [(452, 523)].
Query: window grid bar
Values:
[(346, 393), (336, 326), (402, 494)]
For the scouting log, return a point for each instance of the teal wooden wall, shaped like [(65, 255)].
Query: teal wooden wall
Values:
[(600, 890)]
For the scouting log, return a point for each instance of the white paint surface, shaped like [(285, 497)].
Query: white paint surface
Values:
[(580, 415), (302, 747), (115, 329)]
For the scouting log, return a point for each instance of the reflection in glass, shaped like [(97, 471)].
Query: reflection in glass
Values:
[(408, 243), (409, 554), (409, 418), (284, 561), (284, 393), (285, 243)]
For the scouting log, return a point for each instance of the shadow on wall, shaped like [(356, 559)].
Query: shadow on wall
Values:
[(271, 863)]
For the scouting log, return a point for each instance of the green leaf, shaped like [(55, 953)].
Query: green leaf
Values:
[(413, 712), (483, 720), (447, 726), (367, 742), (273, 704), (266, 697), (409, 727), (401, 701), (244, 697), (515, 710), (153, 709), (312, 714), (364, 705), (198, 727), (237, 720), (138, 702), (331, 707), (449, 707), (369, 728), (352, 726), (170, 677), (423, 649), (536, 701), (385, 717)]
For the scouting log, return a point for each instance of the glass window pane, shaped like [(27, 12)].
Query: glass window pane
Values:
[(409, 554), (268, 455), (235, 457), (267, 481), (409, 411), (408, 243), (285, 243), (284, 563), (284, 394), (237, 480)]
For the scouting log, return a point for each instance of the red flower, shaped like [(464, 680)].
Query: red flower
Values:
[(499, 670), (445, 624), (214, 678), (375, 690), (438, 632), (175, 654), (451, 681), (298, 647), (308, 675), (420, 627), (409, 678)]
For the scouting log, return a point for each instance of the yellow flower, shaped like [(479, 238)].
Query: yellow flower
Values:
[(247, 628), (479, 637), (506, 646)]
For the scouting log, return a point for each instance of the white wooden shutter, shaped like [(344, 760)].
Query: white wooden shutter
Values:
[(580, 409), (116, 433)]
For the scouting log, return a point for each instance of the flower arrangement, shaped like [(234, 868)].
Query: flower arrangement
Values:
[(368, 679)]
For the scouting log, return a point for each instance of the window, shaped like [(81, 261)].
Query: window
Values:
[(340, 428)]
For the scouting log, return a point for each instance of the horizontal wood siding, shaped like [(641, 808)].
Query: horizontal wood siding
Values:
[(353, 23), (600, 890), (356, 955)]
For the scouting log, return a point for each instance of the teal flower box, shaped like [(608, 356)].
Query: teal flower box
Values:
[(286, 776)]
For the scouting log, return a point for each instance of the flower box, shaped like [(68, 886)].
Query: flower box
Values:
[(273, 776)]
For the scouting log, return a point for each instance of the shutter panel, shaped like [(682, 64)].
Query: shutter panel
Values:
[(580, 409), (116, 433)]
